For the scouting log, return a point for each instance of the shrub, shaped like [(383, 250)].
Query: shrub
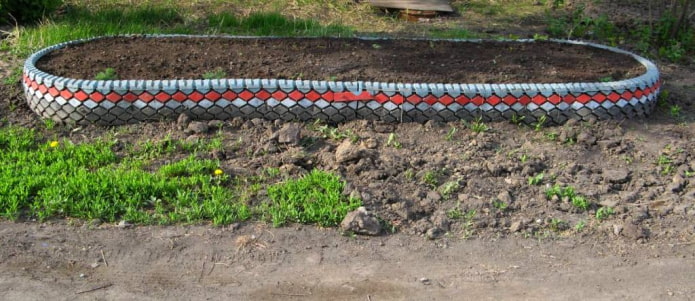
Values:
[(26, 11)]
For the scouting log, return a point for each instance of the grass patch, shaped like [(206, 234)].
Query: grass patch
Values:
[(80, 22), (568, 193), (59, 179), (266, 24), (45, 179), (315, 198)]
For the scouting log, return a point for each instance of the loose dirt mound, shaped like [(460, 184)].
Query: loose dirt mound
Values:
[(412, 61)]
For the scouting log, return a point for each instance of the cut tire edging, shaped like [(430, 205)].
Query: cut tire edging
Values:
[(113, 102)]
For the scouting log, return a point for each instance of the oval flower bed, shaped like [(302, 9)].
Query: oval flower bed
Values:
[(350, 87)]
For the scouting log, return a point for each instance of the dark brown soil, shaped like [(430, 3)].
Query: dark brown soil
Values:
[(341, 59)]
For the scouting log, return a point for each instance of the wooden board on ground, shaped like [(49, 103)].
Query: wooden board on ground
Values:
[(424, 5)]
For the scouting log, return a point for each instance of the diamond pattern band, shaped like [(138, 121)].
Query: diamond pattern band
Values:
[(115, 102)]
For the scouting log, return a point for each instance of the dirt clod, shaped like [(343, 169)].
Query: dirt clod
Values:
[(361, 221)]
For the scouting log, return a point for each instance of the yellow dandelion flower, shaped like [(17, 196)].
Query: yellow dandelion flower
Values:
[(54, 144), (219, 172)]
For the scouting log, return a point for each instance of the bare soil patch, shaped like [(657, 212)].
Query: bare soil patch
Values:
[(393, 60)]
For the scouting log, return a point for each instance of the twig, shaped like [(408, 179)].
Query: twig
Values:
[(369, 298), (106, 263), (95, 289)]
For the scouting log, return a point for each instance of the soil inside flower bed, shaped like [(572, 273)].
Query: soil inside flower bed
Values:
[(412, 61)]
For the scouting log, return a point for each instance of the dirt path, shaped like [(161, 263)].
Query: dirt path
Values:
[(192, 263)]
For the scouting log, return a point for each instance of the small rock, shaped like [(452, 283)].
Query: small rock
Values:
[(616, 176), (640, 214), (361, 221), (677, 184), (371, 143), (95, 265), (617, 229), (124, 224), (505, 197), (433, 196), (516, 226), (346, 152), (586, 138), (634, 231), (610, 202), (182, 121), (197, 127), (290, 133), (83, 276), (95, 222), (425, 281), (434, 233), (215, 124)]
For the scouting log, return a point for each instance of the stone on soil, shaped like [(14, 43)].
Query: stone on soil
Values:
[(290, 133), (616, 176), (361, 221), (197, 127), (347, 151)]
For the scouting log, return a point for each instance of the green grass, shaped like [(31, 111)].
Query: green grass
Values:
[(578, 201), (315, 198), (266, 24), (107, 74), (81, 22), (46, 179)]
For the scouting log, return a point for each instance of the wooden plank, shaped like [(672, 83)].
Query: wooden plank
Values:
[(431, 5)]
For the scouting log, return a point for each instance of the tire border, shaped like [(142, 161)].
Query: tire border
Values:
[(114, 102)]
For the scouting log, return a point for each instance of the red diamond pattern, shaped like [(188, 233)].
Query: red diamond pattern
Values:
[(647, 91), (296, 95), (34, 86), (279, 95), (446, 100), (196, 96), (430, 99), (569, 98), (397, 99), (524, 99), (113, 97), (555, 99), (599, 97), (81, 96), (66, 94), (583, 98), (381, 98), (638, 93), (146, 97), (539, 99), (130, 97), (328, 96), (246, 95), (162, 96), (493, 100), (478, 100), (627, 95), (43, 89), (509, 99), (179, 96), (229, 95), (96, 96), (414, 99), (613, 97), (313, 95), (53, 91), (212, 95), (262, 95), (462, 100)]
